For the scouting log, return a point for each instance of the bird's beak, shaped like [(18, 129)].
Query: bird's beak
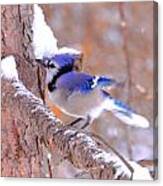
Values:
[(78, 65), (80, 56), (41, 62)]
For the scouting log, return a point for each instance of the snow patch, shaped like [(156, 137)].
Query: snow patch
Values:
[(140, 173), (64, 50), (49, 155), (44, 41), (71, 132), (8, 68), (87, 139), (103, 155), (22, 91), (120, 166)]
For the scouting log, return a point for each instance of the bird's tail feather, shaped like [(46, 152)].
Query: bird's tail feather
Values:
[(133, 120), (123, 112)]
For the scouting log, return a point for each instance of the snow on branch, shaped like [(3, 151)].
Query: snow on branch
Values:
[(140, 173), (8, 68), (76, 146), (44, 41)]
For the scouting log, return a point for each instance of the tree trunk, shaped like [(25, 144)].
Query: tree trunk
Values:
[(17, 40)]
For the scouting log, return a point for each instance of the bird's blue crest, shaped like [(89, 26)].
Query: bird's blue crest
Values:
[(61, 60), (65, 59)]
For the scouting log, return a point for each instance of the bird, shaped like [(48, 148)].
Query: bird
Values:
[(82, 95)]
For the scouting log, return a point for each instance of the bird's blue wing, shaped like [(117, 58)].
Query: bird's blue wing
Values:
[(74, 81), (85, 83)]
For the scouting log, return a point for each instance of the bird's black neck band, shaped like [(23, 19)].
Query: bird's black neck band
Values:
[(63, 70)]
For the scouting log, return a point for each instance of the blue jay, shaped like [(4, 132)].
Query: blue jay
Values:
[(81, 95)]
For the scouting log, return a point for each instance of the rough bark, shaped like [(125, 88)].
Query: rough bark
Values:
[(17, 40)]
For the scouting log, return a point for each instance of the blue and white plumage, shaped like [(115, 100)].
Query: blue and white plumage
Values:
[(77, 94), (81, 95)]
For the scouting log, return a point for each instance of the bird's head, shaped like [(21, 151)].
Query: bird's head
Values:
[(61, 63), (55, 63)]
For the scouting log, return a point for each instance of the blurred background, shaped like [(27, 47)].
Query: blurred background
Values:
[(117, 41)]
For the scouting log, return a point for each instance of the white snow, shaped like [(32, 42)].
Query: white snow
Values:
[(140, 173), (120, 166), (47, 175), (44, 41), (86, 138), (21, 90), (8, 68), (70, 132), (49, 155), (64, 50), (101, 155)]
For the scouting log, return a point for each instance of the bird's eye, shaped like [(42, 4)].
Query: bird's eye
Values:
[(52, 65)]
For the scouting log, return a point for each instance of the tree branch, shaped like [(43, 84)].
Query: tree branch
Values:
[(80, 149)]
